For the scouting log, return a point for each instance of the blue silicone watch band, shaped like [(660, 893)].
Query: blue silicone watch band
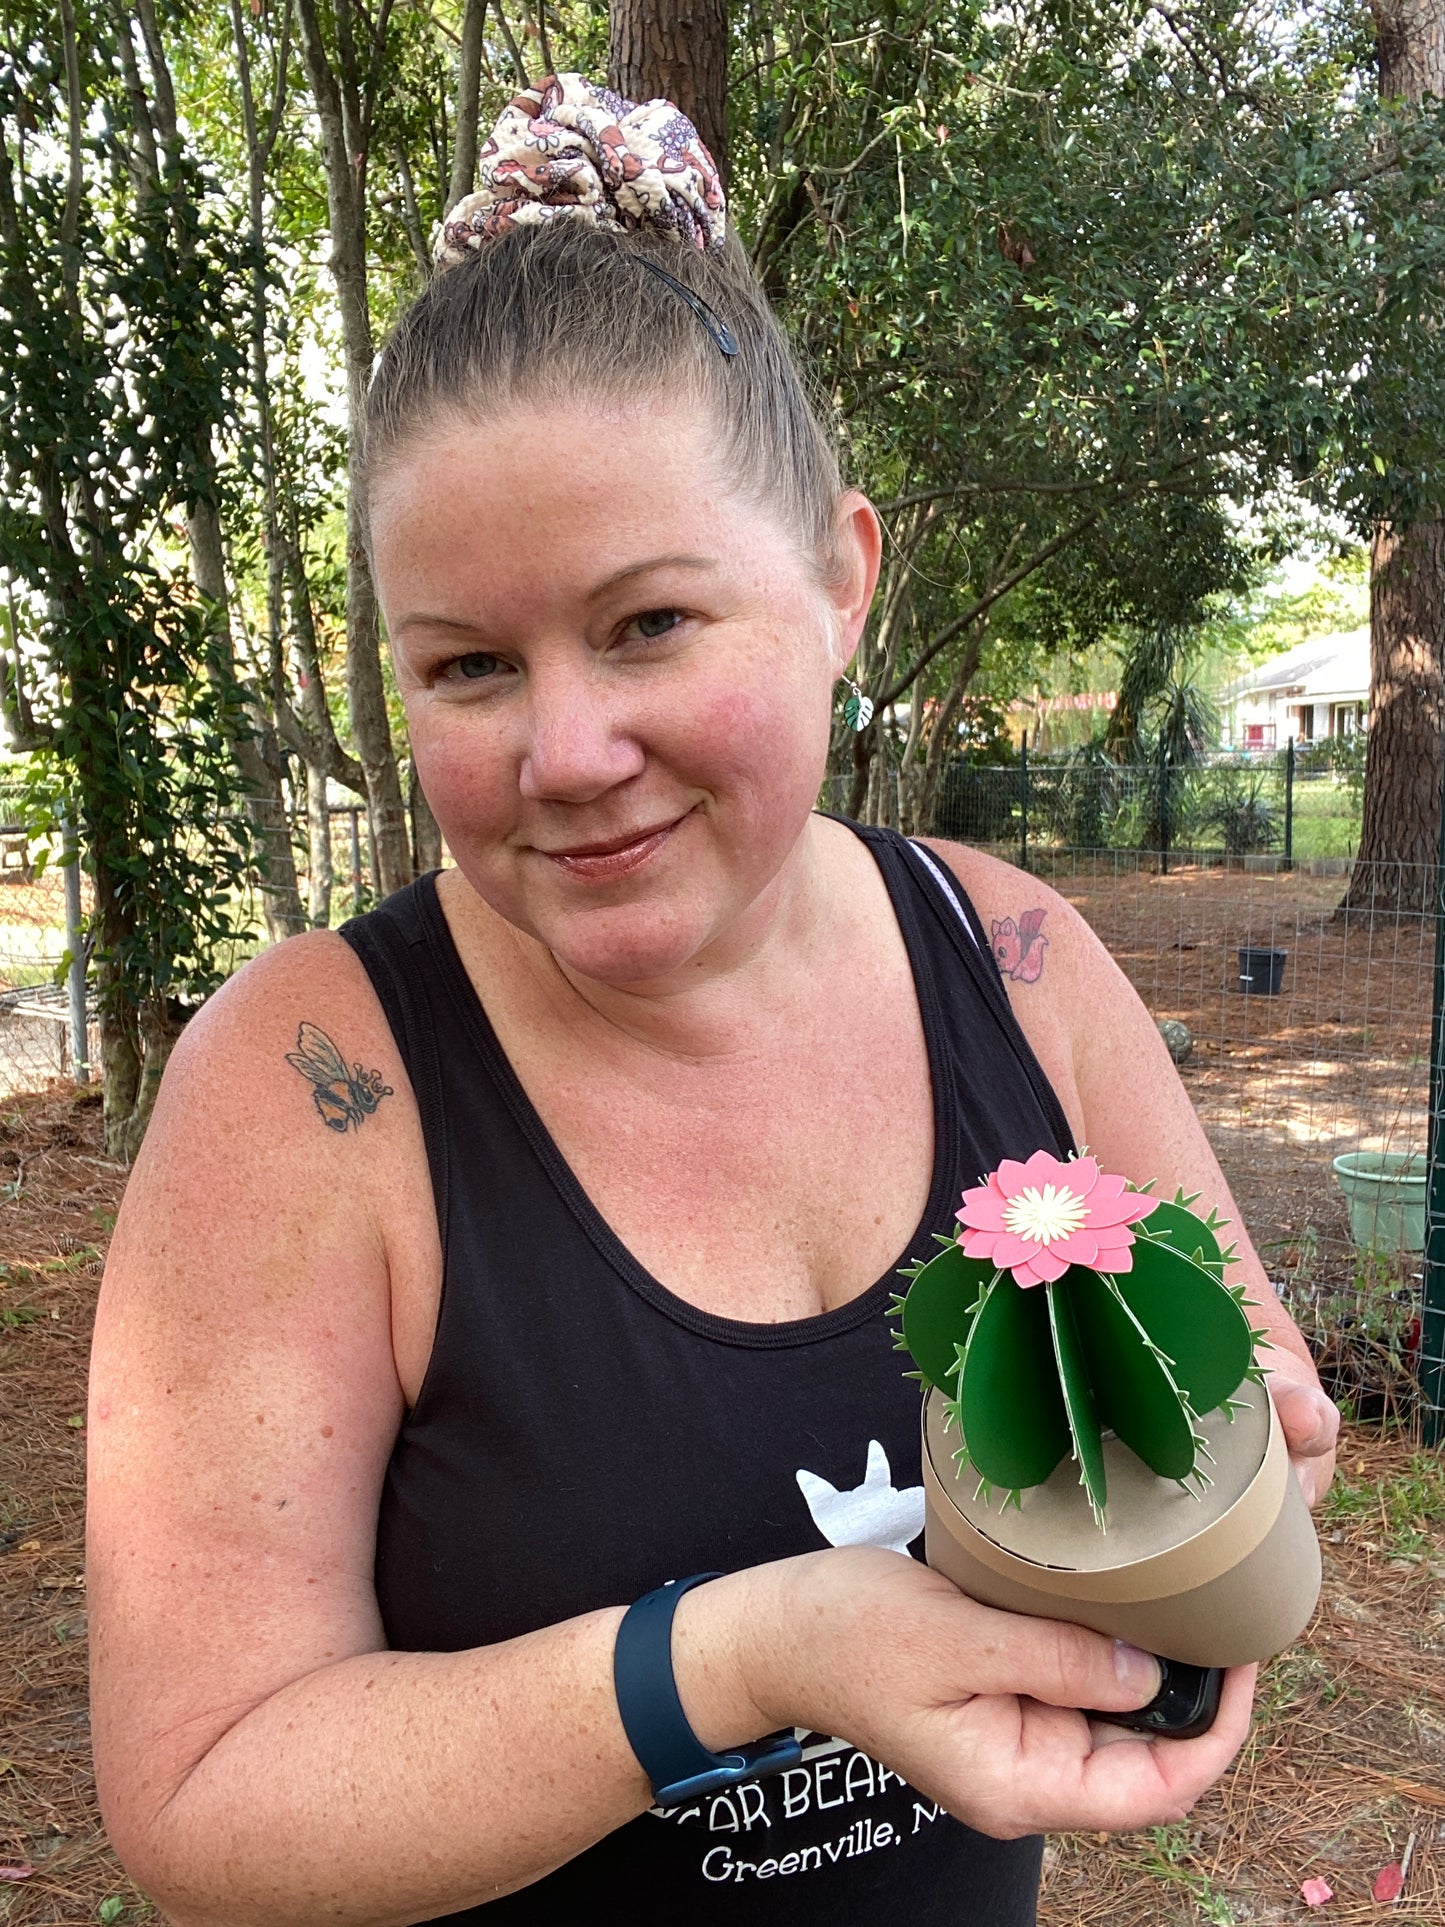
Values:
[(674, 1759)]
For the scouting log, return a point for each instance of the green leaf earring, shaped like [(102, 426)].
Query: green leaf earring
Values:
[(858, 710)]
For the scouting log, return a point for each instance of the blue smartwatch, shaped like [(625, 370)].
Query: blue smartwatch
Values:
[(674, 1759)]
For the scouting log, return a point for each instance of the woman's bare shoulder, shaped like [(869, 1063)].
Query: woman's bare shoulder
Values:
[(285, 1099), (1035, 934), (306, 979)]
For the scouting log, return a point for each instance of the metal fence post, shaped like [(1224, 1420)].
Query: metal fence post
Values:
[(356, 897), (1432, 1311), (1163, 807), (1289, 804), (1024, 802), (75, 944)]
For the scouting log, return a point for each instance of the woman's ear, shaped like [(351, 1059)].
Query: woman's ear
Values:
[(858, 542)]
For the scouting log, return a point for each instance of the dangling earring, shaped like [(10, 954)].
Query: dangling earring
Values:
[(858, 710)]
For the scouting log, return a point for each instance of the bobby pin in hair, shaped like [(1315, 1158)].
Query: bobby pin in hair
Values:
[(721, 333)]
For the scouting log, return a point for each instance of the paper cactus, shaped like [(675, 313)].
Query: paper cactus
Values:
[(1069, 1303)]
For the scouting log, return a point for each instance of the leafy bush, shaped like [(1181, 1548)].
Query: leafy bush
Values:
[(1240, 808), (977, 805)]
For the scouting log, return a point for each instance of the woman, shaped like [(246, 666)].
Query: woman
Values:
[(527, 1245)]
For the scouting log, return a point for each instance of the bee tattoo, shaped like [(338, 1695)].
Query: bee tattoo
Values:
[(342, 1097)]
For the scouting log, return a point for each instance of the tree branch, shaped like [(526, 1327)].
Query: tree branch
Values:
[(165, 93), (904, 682), (518, 64), (411, 218), (75, 176)]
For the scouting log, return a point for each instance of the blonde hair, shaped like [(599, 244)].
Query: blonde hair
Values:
[(554, 313)]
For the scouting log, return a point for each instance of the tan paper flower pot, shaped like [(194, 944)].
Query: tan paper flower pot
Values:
[(1214, 1581)]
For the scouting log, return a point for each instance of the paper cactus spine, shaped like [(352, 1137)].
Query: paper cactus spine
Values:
[(1036, 1369)]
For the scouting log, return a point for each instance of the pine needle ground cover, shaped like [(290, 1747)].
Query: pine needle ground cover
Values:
[(1346, 1762)]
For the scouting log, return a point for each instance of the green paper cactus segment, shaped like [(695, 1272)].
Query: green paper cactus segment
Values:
[(1176, 1227), (1074, 1301), (939, 1309), (1201, 1328), (1136, 1393), (1009, 1407), (1071, 1358)]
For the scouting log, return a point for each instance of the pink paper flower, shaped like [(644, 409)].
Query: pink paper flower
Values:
[(1038, 1218)]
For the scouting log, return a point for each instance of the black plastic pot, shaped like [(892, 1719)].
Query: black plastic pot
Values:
[(1261, 971)]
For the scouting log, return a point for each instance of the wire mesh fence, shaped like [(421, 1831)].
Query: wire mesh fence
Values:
[(1304, 1032), (35, 1029), (1288, 808), (1305, 1039), (37, 1033)]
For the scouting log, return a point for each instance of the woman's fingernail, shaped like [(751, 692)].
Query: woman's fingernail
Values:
[(1136, 1669)]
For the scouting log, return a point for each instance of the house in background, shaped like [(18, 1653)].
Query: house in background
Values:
[(1317, 689)]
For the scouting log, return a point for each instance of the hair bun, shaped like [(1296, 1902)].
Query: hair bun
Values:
[(569, 150)]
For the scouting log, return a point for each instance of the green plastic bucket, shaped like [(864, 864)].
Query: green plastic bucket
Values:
[(1385, 1192)]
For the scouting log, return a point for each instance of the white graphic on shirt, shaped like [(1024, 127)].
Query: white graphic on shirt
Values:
[(875, 1513)]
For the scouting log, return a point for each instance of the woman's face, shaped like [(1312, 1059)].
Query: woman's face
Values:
[(618, 676)]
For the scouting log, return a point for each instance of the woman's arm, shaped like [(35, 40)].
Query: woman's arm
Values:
[(261, 1757), (263, 1760), (1124, 1099)]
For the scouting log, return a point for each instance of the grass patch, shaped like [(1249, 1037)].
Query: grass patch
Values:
[(1326, 821), (1301, 1674), (1170, 1858), (1409, 1503)]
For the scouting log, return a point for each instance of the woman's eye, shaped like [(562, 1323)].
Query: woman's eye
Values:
[(474, 668), (656, 622)]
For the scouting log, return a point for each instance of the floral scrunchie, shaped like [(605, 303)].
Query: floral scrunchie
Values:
[(568, 150)]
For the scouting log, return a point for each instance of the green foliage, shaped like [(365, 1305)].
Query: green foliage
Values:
[(1110, 308), (1170, 1854), (1409, 1503), (1080, 283), (116, 362), (1240, 807)]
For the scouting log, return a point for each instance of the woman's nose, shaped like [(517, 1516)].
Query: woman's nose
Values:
[(577, 745)]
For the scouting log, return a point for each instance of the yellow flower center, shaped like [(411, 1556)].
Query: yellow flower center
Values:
[(1044, 1215)]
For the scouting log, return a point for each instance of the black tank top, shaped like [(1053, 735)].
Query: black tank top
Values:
[(583, 1435)]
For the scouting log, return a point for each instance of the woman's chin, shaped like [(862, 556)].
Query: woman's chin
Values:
[(623, 947)]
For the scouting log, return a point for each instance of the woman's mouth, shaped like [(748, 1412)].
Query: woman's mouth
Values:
[(611, 857)]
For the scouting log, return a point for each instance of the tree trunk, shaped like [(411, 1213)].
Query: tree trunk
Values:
[(677, 49), (469, 81), (942, 740), (318, 834), (426, 836), (1400, 834), (345, 130), (1410, 47), (265, 805)]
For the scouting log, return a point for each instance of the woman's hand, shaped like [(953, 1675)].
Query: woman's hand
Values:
[(977, 1709), (1309, 1418)]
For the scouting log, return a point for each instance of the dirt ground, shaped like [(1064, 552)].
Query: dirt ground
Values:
[(1345, 1768)]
